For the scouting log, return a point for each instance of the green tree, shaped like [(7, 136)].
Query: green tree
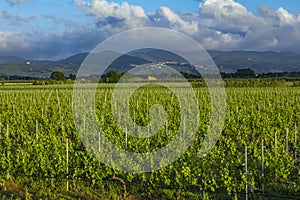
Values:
[(112, 77), (72, 76), (56, 75), (245, 73)]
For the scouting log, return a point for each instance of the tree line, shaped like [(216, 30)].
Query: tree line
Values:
[(240, 78)]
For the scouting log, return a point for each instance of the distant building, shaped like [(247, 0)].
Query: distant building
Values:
[(28, 63), (151, 78)]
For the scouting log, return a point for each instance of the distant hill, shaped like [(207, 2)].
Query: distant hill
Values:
[(11, 60), (157, 55), (226, 61), (258, 61), (125, 62), (73, 62)]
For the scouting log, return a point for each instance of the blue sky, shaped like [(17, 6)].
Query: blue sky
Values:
[(59, 7), (192, 5), (52, 29)]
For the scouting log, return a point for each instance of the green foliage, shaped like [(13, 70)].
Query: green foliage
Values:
[(58, 76), (245, 73), (36, 121), (52, 82), (250, 82), (72, 76), (111, 77), (255, 82)]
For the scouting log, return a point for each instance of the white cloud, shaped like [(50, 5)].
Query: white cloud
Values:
[(11, 19), (113, 15), (218, 25), (233, 27), (14, 2), (227, 16), (10, 41), (176, 22), (285, 16), (49, 45), (118, 17), (222, 8)]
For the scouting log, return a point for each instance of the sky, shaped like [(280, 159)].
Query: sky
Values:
[(55, 29)]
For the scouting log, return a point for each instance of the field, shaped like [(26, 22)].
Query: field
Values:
[(43, 156)]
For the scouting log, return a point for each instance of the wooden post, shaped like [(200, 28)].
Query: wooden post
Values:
[(0, 127), (99, 140), (126, 139), (167, 129), (84, 124), (287, 141), (246, 169), (22, 116), (275, 152), (7, 130), (262, 165), (275, 143), (134, 124), (67, 157), (183, 132), (36, 129), (295, 141), (148, 129)]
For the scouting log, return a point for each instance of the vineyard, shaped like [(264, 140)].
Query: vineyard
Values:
[(42, 155)]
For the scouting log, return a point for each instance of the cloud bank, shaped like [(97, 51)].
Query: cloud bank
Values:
[(218, 25)]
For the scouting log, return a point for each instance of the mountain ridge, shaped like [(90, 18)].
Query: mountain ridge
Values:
[(227, 61)]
